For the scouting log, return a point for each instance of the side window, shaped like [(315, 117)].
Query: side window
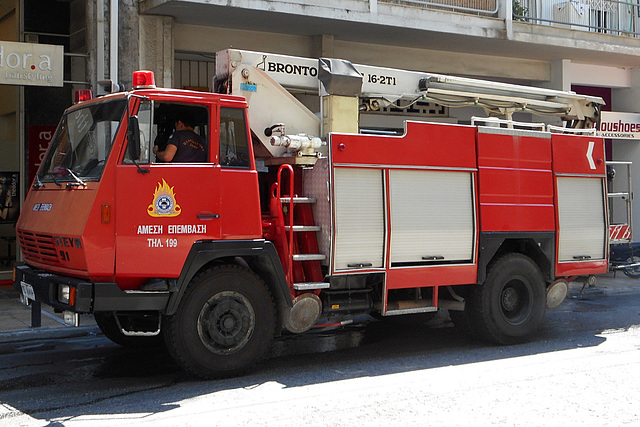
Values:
[(186, 127), (145, 129), (234, 144), (145, 118)]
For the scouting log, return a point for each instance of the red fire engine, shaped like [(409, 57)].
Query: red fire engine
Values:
[(298, 219)]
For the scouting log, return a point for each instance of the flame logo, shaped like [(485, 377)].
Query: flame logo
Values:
[(164, 202)]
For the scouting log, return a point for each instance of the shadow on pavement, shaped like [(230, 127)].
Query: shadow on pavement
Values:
[(113, 380)]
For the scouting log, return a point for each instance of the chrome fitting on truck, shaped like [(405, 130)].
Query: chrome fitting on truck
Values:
[(304, 145), (71, 319), (556, 293)]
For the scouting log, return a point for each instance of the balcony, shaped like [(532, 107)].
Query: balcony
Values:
[(475, 7), (620, 18)]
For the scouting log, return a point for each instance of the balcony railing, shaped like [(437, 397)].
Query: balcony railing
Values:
[(617, 17), (481, 7)]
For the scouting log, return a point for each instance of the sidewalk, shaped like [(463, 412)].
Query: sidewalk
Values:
[(15, 318)]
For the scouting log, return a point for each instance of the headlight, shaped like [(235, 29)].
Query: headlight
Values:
[(66, 294)]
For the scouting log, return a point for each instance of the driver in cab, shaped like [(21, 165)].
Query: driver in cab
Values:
[(184, 145)]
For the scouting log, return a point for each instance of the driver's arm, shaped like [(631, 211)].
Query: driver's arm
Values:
[(167, 154)]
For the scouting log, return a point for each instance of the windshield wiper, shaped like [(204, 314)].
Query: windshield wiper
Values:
[(38, 183), (62, 171), (74, 176)]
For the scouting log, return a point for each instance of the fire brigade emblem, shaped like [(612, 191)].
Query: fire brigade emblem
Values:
[(164, 202)]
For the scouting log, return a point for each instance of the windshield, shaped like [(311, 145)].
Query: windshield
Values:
[(82, 143)]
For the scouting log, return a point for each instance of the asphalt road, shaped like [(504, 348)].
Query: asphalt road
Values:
[(582, 368)]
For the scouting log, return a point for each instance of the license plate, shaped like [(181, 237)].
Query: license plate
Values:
[(27, 290)]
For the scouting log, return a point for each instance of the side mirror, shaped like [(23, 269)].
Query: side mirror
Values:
[(133, 138)]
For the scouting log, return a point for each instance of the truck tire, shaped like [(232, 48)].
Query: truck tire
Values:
[(224, 323), (106, 321), (510, 305)]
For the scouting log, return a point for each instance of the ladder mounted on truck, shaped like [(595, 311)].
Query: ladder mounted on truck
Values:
[(388, 84), (294, 223), (269, 80), (620, 200)]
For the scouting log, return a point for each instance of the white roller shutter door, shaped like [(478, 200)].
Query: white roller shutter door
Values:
[(359, 218), (432, 216), (581, 219)]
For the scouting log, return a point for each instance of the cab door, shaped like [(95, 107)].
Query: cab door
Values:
[(240, 217), (161, 209)]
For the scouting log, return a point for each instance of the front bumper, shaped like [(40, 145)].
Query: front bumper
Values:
[(89, 297)]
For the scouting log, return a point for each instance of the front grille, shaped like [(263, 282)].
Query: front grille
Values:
[(38, 247)]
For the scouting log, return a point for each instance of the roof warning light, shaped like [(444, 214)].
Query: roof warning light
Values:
[(144, 79), (83, 95)]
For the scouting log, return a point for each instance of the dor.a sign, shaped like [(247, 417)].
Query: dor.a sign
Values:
[(619, 125), (29, 64), (39, 140)]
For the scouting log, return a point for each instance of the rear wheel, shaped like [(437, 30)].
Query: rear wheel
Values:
[(509, 307), (224, 324)]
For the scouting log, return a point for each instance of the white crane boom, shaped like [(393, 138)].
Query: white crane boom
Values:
[(392, 84), (267, 81)]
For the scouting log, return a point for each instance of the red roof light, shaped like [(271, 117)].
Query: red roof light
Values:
[(84, 95), (143, 79)]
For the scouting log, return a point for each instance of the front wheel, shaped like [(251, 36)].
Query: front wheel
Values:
[(224, 323), (510, 306)]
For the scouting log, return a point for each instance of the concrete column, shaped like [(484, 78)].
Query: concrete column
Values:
[(323, 46), (560, 75), (144, 42), (505, 11), (628, 99), (157, 47), (129, 43), (373, 7), (559, 79)]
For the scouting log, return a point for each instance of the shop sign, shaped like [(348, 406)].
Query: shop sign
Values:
[(31, 64), (39, 139), (619, 125)]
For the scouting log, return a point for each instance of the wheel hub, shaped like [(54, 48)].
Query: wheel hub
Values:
[(510, 299), (515, 301), (226, 322)]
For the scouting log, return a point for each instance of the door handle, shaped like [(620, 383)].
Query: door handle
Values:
[(207, 215)]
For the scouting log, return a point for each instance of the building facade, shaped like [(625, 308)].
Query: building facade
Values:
[(590, 46)]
